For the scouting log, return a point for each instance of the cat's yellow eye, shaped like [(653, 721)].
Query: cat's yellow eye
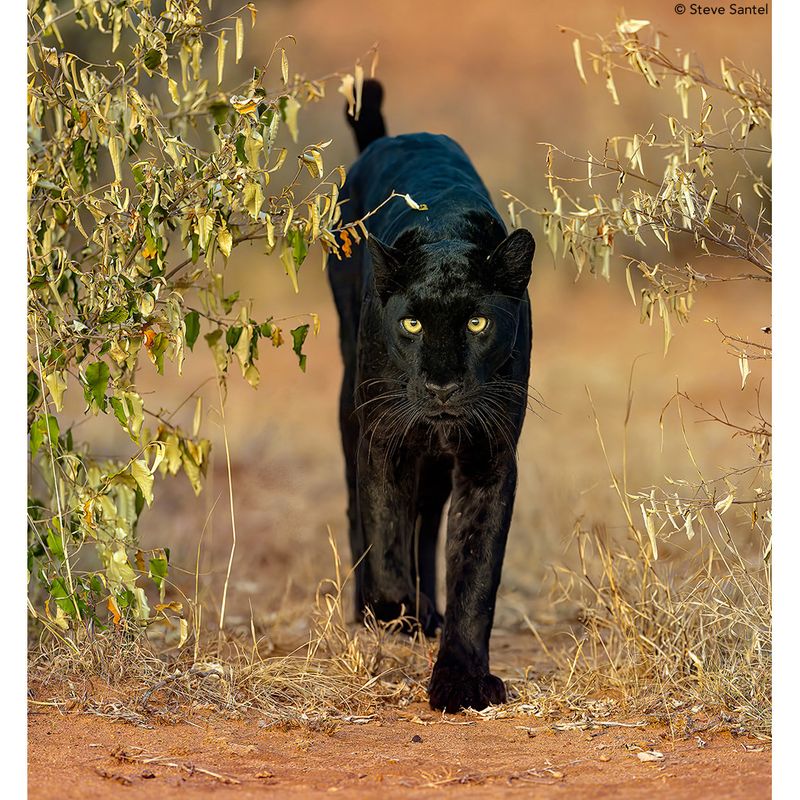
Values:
[(411, 325), (477, 324)]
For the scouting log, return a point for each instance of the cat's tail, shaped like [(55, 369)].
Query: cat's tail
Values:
[(370, 125)]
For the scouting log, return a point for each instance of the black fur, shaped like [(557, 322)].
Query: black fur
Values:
[(436, 414)]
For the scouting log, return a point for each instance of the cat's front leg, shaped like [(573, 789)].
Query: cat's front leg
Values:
[(480, 514), (387, 486)]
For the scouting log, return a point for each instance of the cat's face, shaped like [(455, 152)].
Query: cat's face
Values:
[(450, 319)]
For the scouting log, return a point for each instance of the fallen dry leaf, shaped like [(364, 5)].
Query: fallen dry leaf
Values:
[(650, 755), (265, 773), (554, 773)]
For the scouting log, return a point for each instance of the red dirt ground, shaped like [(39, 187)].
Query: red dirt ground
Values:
[(419, 754)]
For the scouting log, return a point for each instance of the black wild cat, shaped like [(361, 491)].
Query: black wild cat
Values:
[(435, 328)]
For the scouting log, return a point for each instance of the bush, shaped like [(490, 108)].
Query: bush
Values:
[(693, 188), (144, 175)]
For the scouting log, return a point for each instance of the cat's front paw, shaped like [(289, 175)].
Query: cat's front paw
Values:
[(452, 689)]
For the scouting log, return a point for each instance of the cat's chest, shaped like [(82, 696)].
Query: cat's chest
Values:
[(443, 440)]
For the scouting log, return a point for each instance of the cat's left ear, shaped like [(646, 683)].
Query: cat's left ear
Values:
[(511, 262)]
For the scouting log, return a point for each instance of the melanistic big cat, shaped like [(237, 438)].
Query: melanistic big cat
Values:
[(435, 329)]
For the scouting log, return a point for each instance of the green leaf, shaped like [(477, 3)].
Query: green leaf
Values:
[(78, 156), (39, 432), (119, 314), (33, 387), (97, 375), (119, 411), (299, 245), (138, 504), (192, 321), (227, 302), (61, 595), (54, 543), (298, 338), (159, 566), (240, 153), (158, 570), (220, 112), (232, 335), (152, 59)]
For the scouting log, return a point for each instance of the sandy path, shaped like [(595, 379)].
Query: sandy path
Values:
[(393, 756)]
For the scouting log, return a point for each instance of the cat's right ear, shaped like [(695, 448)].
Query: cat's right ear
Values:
[(511, 262), (385, 267)]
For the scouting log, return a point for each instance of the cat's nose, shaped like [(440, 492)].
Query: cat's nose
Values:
[(440, 392)]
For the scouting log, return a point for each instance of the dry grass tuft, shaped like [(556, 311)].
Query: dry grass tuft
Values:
[(342, 673), (669, 636)]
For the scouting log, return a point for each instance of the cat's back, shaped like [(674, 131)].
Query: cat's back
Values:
[(421, 161), (432, 168)]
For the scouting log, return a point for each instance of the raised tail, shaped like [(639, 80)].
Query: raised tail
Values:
[(370, 125)]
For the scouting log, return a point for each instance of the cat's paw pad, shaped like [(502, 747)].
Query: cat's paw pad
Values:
[(452, 689)]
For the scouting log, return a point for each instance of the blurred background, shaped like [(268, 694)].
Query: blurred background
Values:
[(500, 79)]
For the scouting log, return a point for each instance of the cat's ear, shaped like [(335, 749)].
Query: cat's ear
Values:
[(386, 267), (511, 262)]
